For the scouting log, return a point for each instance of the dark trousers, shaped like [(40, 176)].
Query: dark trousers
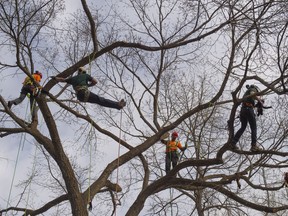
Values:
[(28, 89), (247, 115), (87, 96), (171, 157)]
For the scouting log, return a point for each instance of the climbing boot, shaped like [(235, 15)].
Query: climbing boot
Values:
[(122, 103), (255, 148)]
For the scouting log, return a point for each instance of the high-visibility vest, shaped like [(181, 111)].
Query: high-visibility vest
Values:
[(172, 145), (28, 80)]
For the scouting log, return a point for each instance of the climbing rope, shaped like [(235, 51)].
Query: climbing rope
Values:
[(118, 164), (171, 200), (14, 171), (21, 145), (32, 174), (97, 86), (90, 167), (30, 179), (89, 72), (90, 153)]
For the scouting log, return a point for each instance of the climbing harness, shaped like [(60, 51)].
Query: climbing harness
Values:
[(37, 91), (172, 146), (84, 90)]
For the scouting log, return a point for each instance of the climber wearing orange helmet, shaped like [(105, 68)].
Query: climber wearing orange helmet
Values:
[(29, 88), (171, 151)]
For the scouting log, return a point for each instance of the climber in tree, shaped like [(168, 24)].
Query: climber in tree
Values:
[(30, 88), (80, 84), (247, 114), (171, 151)]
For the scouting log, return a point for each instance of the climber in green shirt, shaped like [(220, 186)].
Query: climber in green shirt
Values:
[(80, 84)]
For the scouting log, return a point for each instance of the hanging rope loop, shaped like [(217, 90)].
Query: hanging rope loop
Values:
[(118, 163)]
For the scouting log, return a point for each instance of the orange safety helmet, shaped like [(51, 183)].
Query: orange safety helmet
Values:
[(175, 134), (39, 73)]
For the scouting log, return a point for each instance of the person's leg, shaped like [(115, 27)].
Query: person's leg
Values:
[(93, 98), (243, 120), (174, 159), (23, 93), (253, 127), (33, 107), (168, 162), (17, 100)]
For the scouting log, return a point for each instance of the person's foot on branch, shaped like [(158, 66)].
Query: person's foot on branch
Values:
[(255, 148), (122, 103)]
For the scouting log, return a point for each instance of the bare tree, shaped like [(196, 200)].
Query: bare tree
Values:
[(181, 65)]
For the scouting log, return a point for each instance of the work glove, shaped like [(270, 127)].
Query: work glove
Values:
[(286, 179), (164, 136), (259, 111), (259, 106)]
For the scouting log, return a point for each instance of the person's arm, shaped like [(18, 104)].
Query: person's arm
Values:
[(164, 141), (259, 99), (59, 79), (181, 147), (163, 137), (92, 82)]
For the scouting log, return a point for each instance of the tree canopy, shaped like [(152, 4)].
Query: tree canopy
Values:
[(181, 66)]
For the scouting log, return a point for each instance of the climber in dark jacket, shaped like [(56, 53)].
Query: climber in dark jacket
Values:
[(247, 115), (80, 84)]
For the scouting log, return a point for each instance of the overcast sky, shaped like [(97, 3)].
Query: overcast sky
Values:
[(17, 153), (22, 148)]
